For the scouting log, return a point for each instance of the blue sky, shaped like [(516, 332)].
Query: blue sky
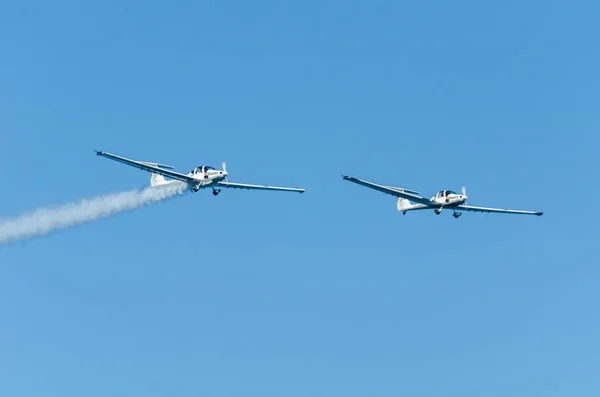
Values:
[(332, 291)]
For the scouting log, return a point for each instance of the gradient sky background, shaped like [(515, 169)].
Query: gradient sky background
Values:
[(332, 292)]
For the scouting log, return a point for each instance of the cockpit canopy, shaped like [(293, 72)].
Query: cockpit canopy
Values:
[(444, 193), (202, 169)]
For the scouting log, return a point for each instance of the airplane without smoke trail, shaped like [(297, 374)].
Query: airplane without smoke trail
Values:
[(442, 199), (200, 177)]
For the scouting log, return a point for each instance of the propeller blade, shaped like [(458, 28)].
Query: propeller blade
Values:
[(224, 165)]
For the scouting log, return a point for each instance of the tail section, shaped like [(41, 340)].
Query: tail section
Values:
[(403, 204), (157, 180)]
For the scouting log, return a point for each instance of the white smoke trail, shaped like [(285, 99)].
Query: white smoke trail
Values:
[(45, 220)]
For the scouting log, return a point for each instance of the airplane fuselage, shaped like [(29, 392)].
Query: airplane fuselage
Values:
[(447, 199), (208, 177), (201, 179), (205, 176), (450, 201)]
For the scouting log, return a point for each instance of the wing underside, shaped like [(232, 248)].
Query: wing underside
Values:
[(394, 191), (496, 210), (150, 167), (234, 185)]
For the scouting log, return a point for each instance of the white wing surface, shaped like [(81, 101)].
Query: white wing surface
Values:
[(247, 186), (497, 210), (150, 167), (394, 191)]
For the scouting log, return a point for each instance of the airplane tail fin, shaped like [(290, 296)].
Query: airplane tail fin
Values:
[(403, 204), (157, 180)]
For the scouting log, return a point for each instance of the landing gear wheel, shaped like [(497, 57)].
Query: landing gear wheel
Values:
[(456, 214), (215, 192)]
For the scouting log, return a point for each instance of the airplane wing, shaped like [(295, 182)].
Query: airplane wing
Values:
[(150, 167), (497, 210), (234, 185), (394, 191)]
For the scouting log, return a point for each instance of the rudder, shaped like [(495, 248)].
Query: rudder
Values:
[(403, 204), (157, 180)]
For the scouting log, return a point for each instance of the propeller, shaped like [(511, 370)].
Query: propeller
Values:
[(464, 193), (224, 165)]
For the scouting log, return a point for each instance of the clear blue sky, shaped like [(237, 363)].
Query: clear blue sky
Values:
[(332, 292)]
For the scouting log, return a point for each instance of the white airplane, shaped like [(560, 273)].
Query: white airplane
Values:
[(200, 177), (442, 199)]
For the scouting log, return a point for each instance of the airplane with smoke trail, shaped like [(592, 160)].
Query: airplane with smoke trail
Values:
[(200, 177), (442, 199)]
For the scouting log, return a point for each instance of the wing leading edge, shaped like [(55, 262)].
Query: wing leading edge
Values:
[(497, 210), (394, 191), (150, 167), (234, 185)]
